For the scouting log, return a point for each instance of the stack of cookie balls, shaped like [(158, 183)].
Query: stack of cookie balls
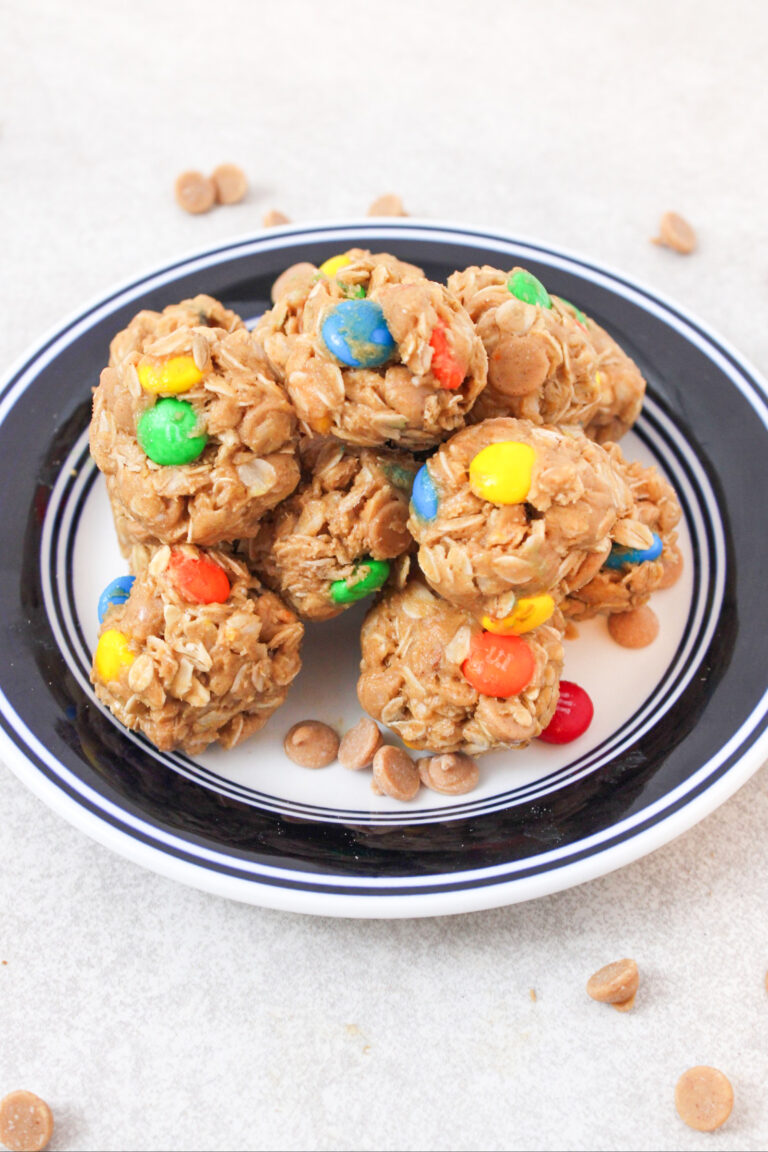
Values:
[(449, 450)]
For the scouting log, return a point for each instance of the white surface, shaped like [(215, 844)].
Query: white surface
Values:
[(153, 1017)]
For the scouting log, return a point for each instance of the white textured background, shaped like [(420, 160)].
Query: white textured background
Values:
[(153, 1017)]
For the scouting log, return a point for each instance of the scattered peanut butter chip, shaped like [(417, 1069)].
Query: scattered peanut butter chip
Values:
[(274, 218), (387, 205), (703, 1098), (395, 774), (675, 232), (532, 994), (625, 1005), (635, 629), (451, 774), (311, 744), (673, 568), (614, 984), (195, 193), (26, 1122), (360, 744), (230, 183)]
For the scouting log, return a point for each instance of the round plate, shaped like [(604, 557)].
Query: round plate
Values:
[(679, 726)]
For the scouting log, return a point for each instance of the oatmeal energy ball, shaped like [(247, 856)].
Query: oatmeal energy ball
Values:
[(511, 517), (644, 555), (194, 650), (441, 682), (373, 352), (330, 543), (195, 437), (547, 361)]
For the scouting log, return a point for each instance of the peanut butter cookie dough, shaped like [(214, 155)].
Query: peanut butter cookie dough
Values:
[(507, 510), (197, 652), (621, 385), (373, 352), (195, 437), (547, 361), (331, 542), (644, 554), (428, 673)]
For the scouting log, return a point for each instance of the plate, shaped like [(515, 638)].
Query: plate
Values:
[(679, 726)]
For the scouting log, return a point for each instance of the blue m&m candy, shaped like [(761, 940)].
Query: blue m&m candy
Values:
[(356, 333), (618, 556), (116, 592), (424, 495)]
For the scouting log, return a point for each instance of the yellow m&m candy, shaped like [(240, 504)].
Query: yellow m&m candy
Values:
[(169, 377), (529, 613), (502, 472), (112, 655), (333, 265)]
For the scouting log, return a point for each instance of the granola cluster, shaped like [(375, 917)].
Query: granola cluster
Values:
[(316, 548), (261, 479), (413, 399), (242, 420), (414, 644), (191, 673)]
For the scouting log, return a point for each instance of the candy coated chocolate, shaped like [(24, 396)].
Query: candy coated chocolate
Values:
[(116, 592), (356, 333)]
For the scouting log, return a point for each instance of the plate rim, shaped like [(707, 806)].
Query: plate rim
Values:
[(404, 904)]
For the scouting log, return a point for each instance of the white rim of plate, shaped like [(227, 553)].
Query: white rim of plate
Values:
[(490, 887)]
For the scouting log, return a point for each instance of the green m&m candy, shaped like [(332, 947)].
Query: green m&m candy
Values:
[(528, 289), (367, 576), (170, 432)]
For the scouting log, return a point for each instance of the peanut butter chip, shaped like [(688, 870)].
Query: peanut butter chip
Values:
[(273, 219), (311, 744), (452, 774), (360, 744), (195, 193), (703, 1098), (675, 232), (624, 1005), (518, 365), (26, 1122), (230, 183), (615, 984), (388, 205), (635, 629), (395, 774)]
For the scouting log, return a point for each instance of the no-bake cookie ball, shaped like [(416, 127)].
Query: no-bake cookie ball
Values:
[(194, 650), (196, 438), (621, 384), (644, 554), (332, 542), (372, 352), (508, 510), (547, 361), (442, 683)]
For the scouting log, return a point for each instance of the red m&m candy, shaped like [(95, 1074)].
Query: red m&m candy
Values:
[(573, 715), (445, 367), (499, 665), (199, 579)]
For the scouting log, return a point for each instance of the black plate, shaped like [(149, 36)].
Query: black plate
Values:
[(704, 735)]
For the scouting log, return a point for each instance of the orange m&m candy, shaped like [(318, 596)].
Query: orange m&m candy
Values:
[(499, 665), (445, 367), (199, 579)]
